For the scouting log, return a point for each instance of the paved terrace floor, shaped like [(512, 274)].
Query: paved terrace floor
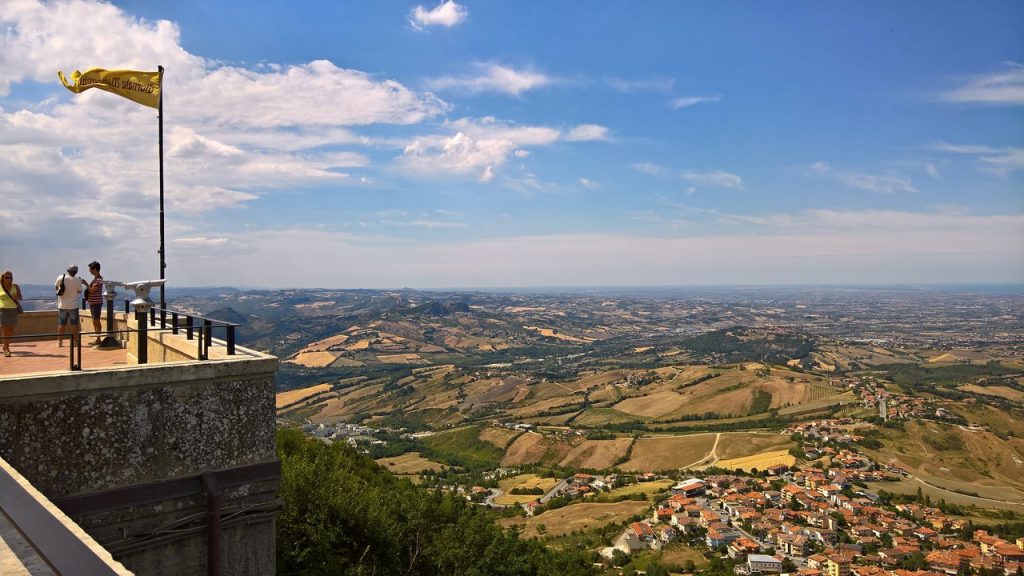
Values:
[(45, 356)]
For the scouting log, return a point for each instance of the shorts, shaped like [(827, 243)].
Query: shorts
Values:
[(67, 317), (8, 317), (95, 309)]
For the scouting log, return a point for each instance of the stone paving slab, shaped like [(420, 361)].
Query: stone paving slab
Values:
[(46, 356)]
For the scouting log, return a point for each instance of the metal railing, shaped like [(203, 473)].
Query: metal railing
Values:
[(195, 324), (195, 327)]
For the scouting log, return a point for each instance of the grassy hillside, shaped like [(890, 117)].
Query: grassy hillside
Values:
[(949, 456), (463, 447)]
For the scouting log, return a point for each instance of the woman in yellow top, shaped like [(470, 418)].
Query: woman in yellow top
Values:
[(10, 294)]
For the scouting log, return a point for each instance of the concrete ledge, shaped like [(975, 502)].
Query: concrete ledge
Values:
[(40, 539), (26, 386)]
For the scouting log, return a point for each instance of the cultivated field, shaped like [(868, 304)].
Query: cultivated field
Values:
[(400, 359), (500, 437), (597, 454), (409, 463), (759, 461), (325, 344), (522, 481), (649, 488), (734, 392), (1000, 391), (534, 448), (346, 404), (742, 444), (552, 333), (292, 396), (313, 359), (668, 452), (678, 553), (531, 448), (603, 416), (585, 516)]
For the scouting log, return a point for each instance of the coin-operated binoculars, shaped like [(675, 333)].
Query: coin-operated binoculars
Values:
[(110, 294), (142, 304)]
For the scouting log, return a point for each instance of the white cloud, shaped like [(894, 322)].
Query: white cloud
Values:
[(882, 183), (650, 168), (307, 95), (589, 184), (232, 133), (999, 161), (819, 168), (962, 148), (1009, 161), (659, 84), (445, 14), (455, 155), (717, 178), (490, 77), (38, 39), (686, 101), (480, 146), (585, 132), (1005, 87), (423, 223), (886, 184)]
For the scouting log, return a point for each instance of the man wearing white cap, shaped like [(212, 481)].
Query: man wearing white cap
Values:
[(69, 290)]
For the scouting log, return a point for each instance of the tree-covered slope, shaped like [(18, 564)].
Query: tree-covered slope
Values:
[(343, 514)]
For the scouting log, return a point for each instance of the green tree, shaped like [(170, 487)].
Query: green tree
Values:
[(345, 515)]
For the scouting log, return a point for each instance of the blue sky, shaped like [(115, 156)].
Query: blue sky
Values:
[(383, 144)]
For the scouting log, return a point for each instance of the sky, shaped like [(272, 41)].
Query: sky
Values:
[(534, 143)]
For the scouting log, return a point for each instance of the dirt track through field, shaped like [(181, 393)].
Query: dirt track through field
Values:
[(961, 494), (712, 454)]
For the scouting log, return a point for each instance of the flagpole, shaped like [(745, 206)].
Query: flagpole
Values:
[(163, 263)]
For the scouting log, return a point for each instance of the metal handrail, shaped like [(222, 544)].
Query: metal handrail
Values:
[(193, 323), (205, 329), (75, 342)]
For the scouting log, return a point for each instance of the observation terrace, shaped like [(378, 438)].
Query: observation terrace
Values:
[(153, 454)]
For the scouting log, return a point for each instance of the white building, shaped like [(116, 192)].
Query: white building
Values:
[(760, 563)]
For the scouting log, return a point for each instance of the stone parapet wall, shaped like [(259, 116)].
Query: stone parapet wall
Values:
[(88, 431), (118, 431)]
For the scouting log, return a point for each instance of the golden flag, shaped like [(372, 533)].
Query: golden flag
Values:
[(141, 87)]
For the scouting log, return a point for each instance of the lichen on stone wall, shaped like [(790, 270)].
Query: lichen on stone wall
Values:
[(97, 440)]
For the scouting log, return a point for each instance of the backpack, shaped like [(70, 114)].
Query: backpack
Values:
[(60, 291)]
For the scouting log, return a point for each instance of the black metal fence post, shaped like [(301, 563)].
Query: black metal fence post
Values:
[(142, 349), (231, 339), (207, 335), (174, 322)]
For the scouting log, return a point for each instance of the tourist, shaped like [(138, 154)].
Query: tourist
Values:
[(10, 308), (95, 299), (69, 289)]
